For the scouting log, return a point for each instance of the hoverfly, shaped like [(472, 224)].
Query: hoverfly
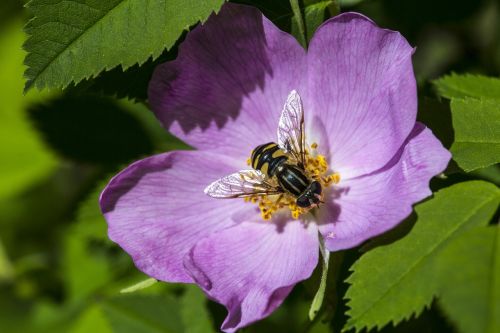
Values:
[(277, 168)]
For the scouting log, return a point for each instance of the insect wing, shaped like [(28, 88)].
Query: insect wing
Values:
[(291, 137), (241, 184)]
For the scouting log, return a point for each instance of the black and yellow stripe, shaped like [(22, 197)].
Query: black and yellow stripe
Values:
[(271, 160), (267, 158), (292, 180)]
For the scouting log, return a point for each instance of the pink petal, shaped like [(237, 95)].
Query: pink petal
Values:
[(362, 91), (227, 87), (372, 204), (156, 209), (251, 267)]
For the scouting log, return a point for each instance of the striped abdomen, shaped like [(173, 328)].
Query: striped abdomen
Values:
[(292, 179), (267, 158)]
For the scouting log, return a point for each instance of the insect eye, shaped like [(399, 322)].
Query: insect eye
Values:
[(303, 201), (315, 187)]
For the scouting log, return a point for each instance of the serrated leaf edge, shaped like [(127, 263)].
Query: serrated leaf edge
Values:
[(438, 83), (39, 86), (418, 311)]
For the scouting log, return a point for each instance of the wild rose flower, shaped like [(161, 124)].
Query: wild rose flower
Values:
[(223, 95)]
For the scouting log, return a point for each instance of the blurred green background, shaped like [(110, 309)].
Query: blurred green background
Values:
[(58, 270)]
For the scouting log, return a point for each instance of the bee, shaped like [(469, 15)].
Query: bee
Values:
[(277, 167)]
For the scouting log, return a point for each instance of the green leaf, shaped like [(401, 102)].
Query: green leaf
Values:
[(92, 320), (6, 269), (314, 15), (90, 260), (298, 22), (477, 135), (468, 85), (320, 294), (25, 159), (393, 282), (470, 270), (133, 313), (90, 222), (349, 2), (73, 40), (194, 313), (476, 118), (491, 174), (139, 286), (84, 271), (143, 314)]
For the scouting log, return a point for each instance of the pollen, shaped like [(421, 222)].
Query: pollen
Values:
[(270, 204), (316, 167)]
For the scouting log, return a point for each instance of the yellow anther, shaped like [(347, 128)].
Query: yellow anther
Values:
[(321, 160), (316, 167), (333, 178), (249, 161)]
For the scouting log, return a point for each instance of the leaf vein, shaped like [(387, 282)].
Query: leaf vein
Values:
[(418, 262), (77, 37)]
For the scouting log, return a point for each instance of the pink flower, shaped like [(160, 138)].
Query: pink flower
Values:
[(223, 95)]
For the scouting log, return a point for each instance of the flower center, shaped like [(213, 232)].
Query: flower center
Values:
[(316, 168)]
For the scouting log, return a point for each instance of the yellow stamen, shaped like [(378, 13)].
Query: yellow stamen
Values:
[(316, 168)]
